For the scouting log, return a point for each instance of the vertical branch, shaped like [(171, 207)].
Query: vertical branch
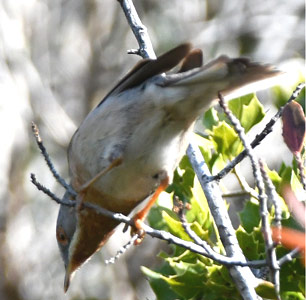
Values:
[(263, 201), (270, 246), (140, 31), (242, 276), (272, 195), (301, 168)]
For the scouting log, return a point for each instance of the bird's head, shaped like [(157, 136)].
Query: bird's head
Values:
[(80, 233), (65, 232)]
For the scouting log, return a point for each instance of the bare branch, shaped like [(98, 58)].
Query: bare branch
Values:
[(289, 256), (46, 156), (278, 217), (140, 31), (301, 168), (210, 253), (243, 277), (46, 191), (272, 195), (258, 139), (122, 250), (265, 226), (162, 235)]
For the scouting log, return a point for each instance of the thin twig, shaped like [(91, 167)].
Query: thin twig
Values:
[(289, 256), (200, 249), (46, 156), (240, 194), (258, 139), (210, 252), (277, 219), (122, 250), (301, 168), (265, 226), (272, 195), (46, 191), (140, 31)]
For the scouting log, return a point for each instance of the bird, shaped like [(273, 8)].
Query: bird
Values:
[(128, 146)]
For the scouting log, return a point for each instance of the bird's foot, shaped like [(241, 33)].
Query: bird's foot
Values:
[(140, 216), (138, 228)]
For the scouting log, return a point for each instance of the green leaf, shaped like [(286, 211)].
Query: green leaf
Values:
[(250, 216), (199, 211), (292, 296), (182, 181), (248, 243), (189, 278), (282, 93), (217, 163), (155, 218), (210, 118), (248, 110), (292, 275), (276, 179), (226, 140), (159, 285), (220, 284), (207, 151), (175, 226)]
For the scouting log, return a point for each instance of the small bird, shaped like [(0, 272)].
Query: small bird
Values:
[(128, 147)]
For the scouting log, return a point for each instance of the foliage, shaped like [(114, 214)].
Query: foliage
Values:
[(186, 275)]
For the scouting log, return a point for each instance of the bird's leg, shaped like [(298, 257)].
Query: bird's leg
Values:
[(84, 187), (116, 162), (140, 216)]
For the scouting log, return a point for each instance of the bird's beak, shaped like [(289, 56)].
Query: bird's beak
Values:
[(66, 282), (68, 277)]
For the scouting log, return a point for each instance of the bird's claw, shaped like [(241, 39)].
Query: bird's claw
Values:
[(138, 229)]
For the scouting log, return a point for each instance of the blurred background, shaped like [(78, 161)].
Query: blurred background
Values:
[(58, 58)]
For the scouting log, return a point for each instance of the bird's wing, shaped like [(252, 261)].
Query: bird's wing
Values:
[(148, 68), (194, 59), (226, 75)]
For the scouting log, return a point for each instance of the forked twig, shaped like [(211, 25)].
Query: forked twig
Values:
[(263, 203), (46, 156), (259, 137)]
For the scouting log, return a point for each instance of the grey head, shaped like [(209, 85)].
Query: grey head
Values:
[(65, 228)]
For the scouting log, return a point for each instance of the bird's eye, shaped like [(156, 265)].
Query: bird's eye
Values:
[(61, 236)]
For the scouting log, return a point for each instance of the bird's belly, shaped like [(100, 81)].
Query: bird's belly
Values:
[(149, 149), (142, 171)]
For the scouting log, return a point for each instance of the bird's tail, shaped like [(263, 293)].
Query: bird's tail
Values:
[(232, 77)]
